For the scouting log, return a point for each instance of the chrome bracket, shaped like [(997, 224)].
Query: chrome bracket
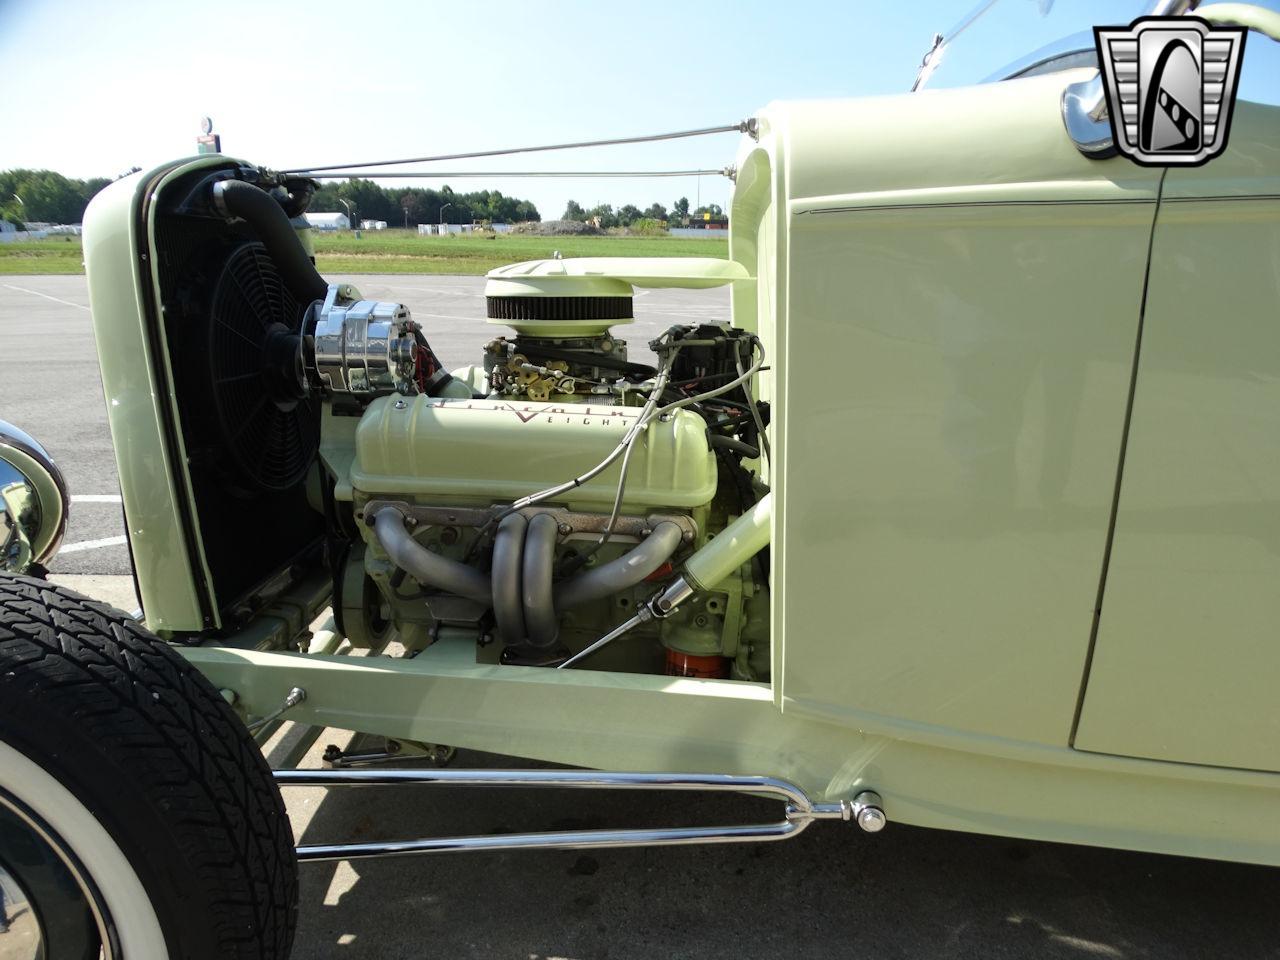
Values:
[(865, 809)]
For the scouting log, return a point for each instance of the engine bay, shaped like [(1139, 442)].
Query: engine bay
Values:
[(556, 503)]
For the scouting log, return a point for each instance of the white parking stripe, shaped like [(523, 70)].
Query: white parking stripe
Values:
[(37, 293), (95, 498), (93, 544)]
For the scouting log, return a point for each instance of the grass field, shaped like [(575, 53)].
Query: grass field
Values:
[(402, 251), (53, 255)]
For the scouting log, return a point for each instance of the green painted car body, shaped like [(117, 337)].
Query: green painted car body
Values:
[(1025, 539)]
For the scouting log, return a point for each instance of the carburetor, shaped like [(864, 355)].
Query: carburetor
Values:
[(546, 369)]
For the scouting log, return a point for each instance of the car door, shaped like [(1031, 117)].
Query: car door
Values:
[(1186, 661)]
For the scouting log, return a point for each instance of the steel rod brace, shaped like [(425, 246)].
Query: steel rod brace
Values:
[(865, 809)]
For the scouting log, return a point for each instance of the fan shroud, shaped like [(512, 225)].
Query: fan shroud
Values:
[(266, 421)]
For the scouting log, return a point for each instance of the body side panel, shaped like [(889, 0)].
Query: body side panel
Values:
[(950, 434), (1187, 662)]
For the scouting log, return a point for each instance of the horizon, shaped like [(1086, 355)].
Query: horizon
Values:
[(127, 84)]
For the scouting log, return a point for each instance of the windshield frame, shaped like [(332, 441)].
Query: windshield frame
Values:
[(1071, 46)]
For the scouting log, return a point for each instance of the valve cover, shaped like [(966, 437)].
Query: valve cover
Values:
[(480, 452)]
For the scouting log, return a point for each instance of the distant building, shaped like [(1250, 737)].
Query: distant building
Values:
[(54, 229), (373, 224), (442, 229), (328, 221)]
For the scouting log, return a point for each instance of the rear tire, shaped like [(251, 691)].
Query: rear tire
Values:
[(134, 762)]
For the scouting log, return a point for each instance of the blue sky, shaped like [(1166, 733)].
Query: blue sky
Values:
[(93, 88)]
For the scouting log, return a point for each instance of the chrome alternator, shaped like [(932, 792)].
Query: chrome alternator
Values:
[(365, 347)]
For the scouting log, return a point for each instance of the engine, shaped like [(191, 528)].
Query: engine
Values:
[(554, 504), (530, 504)]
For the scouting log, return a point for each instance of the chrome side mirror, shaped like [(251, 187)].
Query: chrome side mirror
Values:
[(1084, 113), (33, 503)]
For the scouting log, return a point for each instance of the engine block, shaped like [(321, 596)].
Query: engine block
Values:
[(486, 451)]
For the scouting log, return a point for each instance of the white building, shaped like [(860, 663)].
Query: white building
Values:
[(328, 221), (443, 229), (373, 224)]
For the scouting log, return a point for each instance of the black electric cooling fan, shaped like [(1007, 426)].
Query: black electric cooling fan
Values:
[(266, 418)]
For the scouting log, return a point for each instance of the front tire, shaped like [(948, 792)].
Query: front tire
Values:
[(143, 776)]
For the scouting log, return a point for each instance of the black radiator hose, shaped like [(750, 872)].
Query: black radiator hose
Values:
[(235, 198)]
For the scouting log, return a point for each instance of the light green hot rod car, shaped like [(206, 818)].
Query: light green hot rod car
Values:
[(968, 519)]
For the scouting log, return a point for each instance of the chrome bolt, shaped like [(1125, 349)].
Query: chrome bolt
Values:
[(565, 529), (870, 815), (872, 820)]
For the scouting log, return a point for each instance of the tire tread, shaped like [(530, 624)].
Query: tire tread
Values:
[(167, 729)]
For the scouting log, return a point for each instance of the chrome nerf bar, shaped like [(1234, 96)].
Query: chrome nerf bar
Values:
[(799, 811)]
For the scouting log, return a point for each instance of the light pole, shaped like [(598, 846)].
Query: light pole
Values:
[(24, 210), (442, 210), (350, 219)]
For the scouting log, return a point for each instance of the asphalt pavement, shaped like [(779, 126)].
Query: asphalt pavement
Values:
[(832, 892)]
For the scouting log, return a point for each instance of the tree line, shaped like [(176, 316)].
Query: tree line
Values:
[(407, 207), (629, 214), (43, 196)]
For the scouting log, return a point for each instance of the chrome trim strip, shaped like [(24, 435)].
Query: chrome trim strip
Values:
[(1253, 198), (945, 205)]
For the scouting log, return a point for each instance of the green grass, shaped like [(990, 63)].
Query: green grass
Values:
[(51, 255), (403, 251)]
